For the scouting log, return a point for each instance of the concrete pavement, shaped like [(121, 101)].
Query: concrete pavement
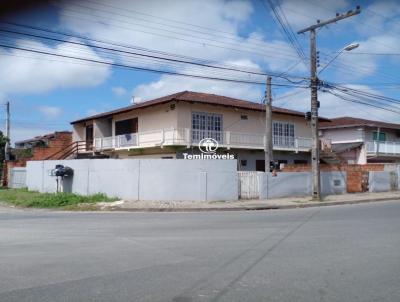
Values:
[(254, 204), (338, 253)]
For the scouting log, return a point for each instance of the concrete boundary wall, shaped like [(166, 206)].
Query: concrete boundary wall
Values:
[(379, 181), (298, 184), (142, 179), (334, 182), (398, 177), (17, 178)]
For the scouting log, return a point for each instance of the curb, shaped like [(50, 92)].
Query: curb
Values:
[(250, 208)]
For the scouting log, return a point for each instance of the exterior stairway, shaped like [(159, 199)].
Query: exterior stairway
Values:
[(326, 154), (330, 158), (76, 150)]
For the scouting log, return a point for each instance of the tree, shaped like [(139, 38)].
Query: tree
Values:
[(3, 141)]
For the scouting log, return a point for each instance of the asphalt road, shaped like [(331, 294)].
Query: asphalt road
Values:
[(338, 253)]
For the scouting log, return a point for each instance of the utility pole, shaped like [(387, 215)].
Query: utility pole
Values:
[(316, 185), (268, 126), (7, 146)]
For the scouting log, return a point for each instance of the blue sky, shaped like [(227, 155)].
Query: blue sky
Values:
[(46, 93)]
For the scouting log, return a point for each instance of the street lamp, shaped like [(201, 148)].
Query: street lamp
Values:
[(347, 48)]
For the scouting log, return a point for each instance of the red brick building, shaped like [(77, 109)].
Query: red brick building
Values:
[(42, 147), (37, 148)]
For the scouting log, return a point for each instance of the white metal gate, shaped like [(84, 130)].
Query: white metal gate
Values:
[(17, 178), (248, 184)]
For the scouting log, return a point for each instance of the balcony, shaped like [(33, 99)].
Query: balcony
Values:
[(190, 137), (375, 148)]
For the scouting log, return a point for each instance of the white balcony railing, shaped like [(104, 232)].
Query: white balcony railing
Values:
[(189, 137), (389, 148)]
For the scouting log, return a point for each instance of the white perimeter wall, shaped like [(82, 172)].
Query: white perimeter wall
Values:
[(298, 184), (142, 179)]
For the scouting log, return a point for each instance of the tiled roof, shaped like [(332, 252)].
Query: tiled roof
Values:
[(42, 137), (343, 122), (196, 97)]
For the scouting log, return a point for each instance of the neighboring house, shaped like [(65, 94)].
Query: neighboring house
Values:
[(42, 147), (169, 126), (361, 141), (37, 148)]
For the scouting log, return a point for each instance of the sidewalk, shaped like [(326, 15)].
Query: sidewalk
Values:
[(255, 204)]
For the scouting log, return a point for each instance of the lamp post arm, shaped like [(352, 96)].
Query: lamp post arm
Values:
[(333, 59)]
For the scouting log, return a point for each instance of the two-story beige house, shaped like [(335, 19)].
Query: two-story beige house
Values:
[(361, 141), (172, 125)]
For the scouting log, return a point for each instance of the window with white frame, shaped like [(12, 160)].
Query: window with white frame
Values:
[(283, 134), (206, 125)]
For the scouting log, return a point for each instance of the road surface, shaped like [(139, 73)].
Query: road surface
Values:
[(338, 253)]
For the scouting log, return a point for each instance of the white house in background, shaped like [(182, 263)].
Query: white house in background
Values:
[(361, 141), (169, 126)]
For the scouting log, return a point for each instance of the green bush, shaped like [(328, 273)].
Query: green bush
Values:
[(25, 198)]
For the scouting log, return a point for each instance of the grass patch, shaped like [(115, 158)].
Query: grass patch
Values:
[(29, 199)]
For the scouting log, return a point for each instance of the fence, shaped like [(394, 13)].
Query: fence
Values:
[(190, 180), (141, 179), (248, 185), (17, 178), (287, 184), (383, 181)]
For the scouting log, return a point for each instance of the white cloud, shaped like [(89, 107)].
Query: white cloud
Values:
[(224, 42), (119, 91), (303, 13), (171, 84), (50, 112), (23, 72)]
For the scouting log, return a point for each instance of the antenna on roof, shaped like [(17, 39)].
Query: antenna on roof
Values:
[(135, 99)]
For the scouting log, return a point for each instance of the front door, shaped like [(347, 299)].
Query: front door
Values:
[(260, 165), (89, 137)]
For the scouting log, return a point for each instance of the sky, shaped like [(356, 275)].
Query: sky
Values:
[(47, 93)]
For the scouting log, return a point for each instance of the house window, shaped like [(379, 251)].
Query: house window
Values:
[(206, 125), (243, 162), (382, 136), (126, 126), (244, 117), (283, 134)]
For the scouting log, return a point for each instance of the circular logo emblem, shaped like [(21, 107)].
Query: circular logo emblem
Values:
[(208, 145)]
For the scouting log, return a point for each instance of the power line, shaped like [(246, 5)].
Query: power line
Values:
[(146, 69), (360, 102), (199, 41), (376, 53), (116, 44), (167, 19), (185, 28), (136, 53), (286, 28)]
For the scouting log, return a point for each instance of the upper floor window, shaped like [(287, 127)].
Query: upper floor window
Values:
[(381, 138), (126, 126), (283, 134), (206, 125)]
